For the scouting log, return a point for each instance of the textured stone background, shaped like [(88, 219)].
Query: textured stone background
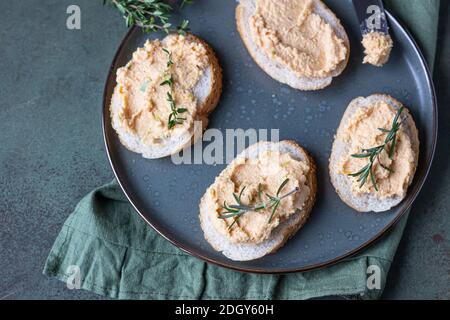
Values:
[(51, 150)]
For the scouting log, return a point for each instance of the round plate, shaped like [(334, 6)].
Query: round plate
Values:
[(251, 99)]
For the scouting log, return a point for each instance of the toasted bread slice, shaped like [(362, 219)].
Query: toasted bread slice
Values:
[(207, 92), (283, 74), (342, 182), (286, 229)]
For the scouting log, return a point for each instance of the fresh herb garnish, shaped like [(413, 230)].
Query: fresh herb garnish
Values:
[(168, 81), (373, 154), (151, 15), (275, 201), (183, 27), (169, 54), (239, 209), (174, 117)]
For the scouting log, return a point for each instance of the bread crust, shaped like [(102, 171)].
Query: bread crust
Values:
[(411, 130), (287, 229), (203, 112), (305, 84)]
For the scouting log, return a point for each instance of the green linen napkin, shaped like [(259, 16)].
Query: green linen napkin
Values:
[(111, 251)]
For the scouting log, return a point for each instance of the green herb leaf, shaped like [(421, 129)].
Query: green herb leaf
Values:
[(239, 209), (167, 82), (372, 177), (282, 186), (274, 209), (174, 118), (151, 15), (373, 153), (183, 27), (361, 155), (392, 148), (260, 192)]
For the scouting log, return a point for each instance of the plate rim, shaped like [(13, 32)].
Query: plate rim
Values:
[(407, 205)]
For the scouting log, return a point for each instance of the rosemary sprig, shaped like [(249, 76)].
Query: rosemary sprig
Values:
[(174, 116), (275, 201), (151, 15), (373, 154), (239, 209)]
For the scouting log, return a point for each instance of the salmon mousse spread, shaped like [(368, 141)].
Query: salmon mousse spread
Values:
[(157, 88), (269, 189), (380, 159), (289, 32), (377, 48)]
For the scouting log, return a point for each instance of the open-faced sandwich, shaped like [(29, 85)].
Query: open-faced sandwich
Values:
[(297, 42), (375, 154), (259, 201), (166, 88)]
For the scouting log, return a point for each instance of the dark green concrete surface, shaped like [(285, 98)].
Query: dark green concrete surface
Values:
[(51, 151)]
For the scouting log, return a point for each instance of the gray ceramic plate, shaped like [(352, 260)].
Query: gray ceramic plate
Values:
[(251, 99)]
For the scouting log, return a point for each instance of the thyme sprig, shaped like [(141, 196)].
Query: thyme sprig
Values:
[(239, 209), (151, 15), (373, 154), (174, 116)]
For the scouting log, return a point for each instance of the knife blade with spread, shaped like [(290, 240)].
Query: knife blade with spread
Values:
[(374, 30)]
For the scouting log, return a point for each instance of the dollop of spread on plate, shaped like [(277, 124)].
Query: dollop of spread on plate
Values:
[(377, 48), (145, 109), (261, 176), (362, 131), (289, 32)]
